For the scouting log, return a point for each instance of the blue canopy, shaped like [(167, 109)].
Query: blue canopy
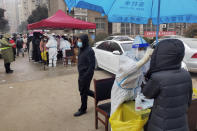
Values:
[(140, 11)]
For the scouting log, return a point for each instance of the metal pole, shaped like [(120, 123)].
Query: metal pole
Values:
[(95, 34), (158, 22)]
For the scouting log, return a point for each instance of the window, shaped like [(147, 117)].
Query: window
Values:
[(104, 46), (137, 29), (109, 38), (100, 23), (126, 46), (84, 18), (171, 25), (149, 26), (114, 46), (130, 29)]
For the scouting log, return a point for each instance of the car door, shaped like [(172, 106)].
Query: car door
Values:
[(114, 58), (102, 54)]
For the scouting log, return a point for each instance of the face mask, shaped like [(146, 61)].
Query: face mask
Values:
[(140, 55), (45, 39), (79, 44)]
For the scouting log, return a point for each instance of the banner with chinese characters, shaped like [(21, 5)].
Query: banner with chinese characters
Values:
[(161, 33)]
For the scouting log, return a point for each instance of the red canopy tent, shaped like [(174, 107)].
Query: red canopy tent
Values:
[(61, 21)]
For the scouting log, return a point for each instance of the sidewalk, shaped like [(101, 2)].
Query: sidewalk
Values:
[(35, 100), (44, 104)]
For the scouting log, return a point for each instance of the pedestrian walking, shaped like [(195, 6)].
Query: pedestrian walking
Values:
[(25, 42), (170, 86), (7, 52), (19, 46), (86, 65)]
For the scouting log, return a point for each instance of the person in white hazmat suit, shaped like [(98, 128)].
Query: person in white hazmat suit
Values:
[(64, 45), (52, 46), (133, 65)]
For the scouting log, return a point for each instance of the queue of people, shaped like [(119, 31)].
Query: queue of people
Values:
[(11, 46), (49, 48), (43, 48)]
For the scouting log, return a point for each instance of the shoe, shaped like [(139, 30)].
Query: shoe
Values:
[(79, 113), (9, 72)]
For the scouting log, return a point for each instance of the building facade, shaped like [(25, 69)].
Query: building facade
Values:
[(25, 8), (10, 13), (139, 29), (55, 5)]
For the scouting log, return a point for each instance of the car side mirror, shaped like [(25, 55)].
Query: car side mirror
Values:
[(116, 52)]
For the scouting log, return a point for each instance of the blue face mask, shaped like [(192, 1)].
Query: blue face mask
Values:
[(79, 44)]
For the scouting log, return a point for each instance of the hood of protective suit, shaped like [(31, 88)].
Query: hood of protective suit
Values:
[(64, 44), (167, 55), (52, 42), (85, 41), (51, 37)]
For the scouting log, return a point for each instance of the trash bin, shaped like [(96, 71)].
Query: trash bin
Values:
[(125, 118)]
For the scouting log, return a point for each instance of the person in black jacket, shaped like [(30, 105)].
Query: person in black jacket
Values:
[(86, 65), (170, 86), (19, 46), (36, 54)]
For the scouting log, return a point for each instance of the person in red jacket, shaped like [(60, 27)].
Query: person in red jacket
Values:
[(13, 47)]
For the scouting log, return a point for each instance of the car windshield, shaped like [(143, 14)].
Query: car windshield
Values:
[(171, 36), (123, 39), (109, 38), (126, 46), (192, 43)]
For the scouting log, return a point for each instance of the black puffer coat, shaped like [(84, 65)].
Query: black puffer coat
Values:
[(170, 86), (86, 60)]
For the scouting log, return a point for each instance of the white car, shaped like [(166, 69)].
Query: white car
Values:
[(116, 38), (190, 58), (107, 54), (119, 38)]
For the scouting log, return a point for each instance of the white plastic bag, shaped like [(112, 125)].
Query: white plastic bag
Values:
[(142, 103)]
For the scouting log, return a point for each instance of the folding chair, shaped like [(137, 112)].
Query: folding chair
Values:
[(103, 92), (69, 56)]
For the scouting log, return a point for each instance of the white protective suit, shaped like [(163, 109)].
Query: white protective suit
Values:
[(52, 45), (129, 79), (64, 45)]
